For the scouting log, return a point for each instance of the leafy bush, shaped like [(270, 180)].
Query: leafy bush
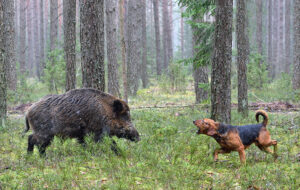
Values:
[(257, 74), (175, 80), (54, 73)]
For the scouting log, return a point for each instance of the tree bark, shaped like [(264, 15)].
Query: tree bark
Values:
[(111, 40), (60, 19), (281, 49), (30, 54), (157, 37), (259, 26), (9, 43), (37, 51), (92, 43), (182, 34), (170, 31), (200, 72), (46, 26), (221, 63), (22, 37), (3, 66), (42, 39), (144, 45), (275, 39), (242, 58), (166, 33), (296, 76), (53, 24), (123, 46), (270, 32), (69, 11), (287, 36), (134, 33)]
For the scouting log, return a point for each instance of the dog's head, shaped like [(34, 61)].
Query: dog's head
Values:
[(206, 126)]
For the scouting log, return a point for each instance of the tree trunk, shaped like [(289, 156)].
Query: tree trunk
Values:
[(92, 43), (182, 34), (259, 19), (200, 73), (170, 31), (123, 46), (53, 24), (270, 46), (47, 26), (60, 19), (157, 37), (69, 11), (287, 36), (111, 40), (30, 54), (166, 33), (221, 63), (9, 43), (275, 39), (144, 45), (134, 33), (242, 58), (42, 39), (281, 50), (22, 38), (36, 39), (296, 76), (3, 66)]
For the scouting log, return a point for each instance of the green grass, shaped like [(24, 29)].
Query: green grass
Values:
[(169, 156)]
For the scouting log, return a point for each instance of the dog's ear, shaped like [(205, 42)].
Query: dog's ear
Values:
[(211, 131)]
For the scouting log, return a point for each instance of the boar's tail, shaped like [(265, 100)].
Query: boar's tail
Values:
[(27, 126)]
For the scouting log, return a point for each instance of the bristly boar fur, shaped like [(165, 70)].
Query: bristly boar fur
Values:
[(75, 114)]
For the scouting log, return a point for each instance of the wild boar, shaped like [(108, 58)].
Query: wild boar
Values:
[(76, 114)]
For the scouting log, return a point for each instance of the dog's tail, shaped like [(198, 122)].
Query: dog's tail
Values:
[(265, 116)]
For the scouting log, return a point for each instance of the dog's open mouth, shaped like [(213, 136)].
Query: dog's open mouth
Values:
[(199, 131)]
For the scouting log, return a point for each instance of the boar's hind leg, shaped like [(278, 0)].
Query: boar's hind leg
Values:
[(39, 141)]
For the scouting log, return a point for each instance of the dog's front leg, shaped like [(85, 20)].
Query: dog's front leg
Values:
[(242, 155), (221, 151)]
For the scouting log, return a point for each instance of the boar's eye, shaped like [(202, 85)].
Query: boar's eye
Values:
[(117, 106)]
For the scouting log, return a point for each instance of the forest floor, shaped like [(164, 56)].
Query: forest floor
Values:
[(170, 154)]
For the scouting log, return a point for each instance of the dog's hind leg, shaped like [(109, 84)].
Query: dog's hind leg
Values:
[(266, 148)]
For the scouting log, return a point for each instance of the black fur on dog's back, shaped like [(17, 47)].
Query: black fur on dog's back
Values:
[(247, 133)]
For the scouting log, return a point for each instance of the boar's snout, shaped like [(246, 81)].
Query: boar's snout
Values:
[(133, 134)]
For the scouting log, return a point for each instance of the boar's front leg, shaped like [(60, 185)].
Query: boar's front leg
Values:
[(99, 138)]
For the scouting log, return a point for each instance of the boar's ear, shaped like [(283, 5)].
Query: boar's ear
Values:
[(117, 106)]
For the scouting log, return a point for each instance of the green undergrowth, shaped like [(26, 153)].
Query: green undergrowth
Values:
[(169, 156)]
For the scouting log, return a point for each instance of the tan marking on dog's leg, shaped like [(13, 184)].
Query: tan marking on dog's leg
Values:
[(219, 151), (242, 155)]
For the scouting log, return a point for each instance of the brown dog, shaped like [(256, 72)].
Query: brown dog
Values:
[(238, 138)]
